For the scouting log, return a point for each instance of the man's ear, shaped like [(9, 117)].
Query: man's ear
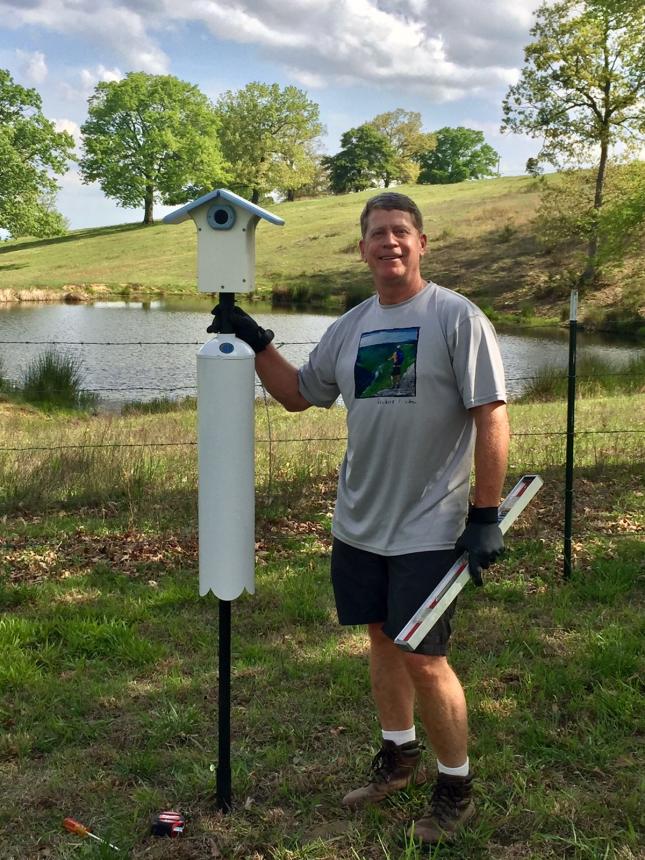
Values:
[(361, 247), (424, 243)]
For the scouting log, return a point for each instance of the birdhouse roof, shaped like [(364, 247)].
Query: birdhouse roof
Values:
[(182, 214)]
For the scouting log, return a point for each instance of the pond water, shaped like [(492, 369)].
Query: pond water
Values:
[(173, 330)]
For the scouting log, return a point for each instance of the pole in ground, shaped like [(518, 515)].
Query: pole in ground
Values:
[(225, 226)]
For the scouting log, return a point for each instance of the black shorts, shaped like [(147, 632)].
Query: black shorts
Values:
[(372, 588)]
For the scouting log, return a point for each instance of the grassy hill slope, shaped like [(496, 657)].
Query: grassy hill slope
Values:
[(480, 233)]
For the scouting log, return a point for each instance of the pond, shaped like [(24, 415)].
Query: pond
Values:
[(153, 344)]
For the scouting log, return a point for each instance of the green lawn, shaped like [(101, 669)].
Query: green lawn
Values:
[(320, 238), (108, 663)]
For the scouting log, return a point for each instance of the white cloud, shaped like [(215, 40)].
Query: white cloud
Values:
[(489, 127), (445, 49), (91, 77), (84, 81), (101, 22), (71, 181), (32, 66), (70, 126)]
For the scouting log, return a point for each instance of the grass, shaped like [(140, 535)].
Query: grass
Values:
[(108, 681), (482, 242), (54, 380), (595, 377)]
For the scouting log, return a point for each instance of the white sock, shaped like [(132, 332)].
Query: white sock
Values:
[(402, 737), (464, 770)]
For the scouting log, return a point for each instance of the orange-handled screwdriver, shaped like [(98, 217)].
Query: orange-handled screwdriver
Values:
[(76, 827)]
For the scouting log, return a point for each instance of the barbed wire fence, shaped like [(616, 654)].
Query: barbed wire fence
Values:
[(269, 439)]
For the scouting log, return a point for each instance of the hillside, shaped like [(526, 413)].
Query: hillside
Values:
[(480, 235)]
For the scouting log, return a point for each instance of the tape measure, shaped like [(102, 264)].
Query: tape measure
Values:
[(168, 824)]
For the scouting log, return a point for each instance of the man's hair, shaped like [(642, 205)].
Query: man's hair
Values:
[(391, 200)]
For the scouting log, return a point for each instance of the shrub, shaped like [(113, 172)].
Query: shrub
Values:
[(54, 380)]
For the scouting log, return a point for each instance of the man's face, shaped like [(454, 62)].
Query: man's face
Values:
[(392, 247)]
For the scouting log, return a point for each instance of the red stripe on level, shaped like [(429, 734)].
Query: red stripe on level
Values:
[(415, 628), (525, 486)]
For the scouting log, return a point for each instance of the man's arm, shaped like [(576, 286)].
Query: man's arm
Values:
[(280, 378), (491, 453), (482, 538)]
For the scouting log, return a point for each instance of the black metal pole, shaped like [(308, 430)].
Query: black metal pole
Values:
[(224, 791), (571, 429), (224, 721)]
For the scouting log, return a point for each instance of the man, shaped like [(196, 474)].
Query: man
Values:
[(403, 489)]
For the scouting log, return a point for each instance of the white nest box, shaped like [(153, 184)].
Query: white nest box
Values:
[(225, 240)]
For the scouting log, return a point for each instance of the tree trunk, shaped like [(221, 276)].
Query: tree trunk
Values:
[(590, 273), (291, 195), (148, 217), (255, 196)]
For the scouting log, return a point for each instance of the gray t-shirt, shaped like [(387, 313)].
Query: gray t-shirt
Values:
[(408, 374)]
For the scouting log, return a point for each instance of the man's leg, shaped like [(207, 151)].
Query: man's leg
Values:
[(395, 766), (392, 687), (442, 705), (443, 709)]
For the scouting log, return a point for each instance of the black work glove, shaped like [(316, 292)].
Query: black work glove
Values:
[(482, 539), (244, 327)]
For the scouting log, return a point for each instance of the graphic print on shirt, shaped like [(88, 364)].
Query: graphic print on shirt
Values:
[(386, 363)]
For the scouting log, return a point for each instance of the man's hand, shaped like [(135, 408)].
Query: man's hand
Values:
[(244, 327), (482, 539)]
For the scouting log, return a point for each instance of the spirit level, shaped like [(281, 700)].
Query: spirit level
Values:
[(452, 583)]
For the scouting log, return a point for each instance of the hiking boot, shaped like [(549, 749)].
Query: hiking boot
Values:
[(451, 806), (393, 768)]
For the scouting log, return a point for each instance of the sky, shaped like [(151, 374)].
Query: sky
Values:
[(450, 60)]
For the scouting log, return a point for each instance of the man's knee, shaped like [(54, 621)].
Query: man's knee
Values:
[(427, 671), (375, 632)]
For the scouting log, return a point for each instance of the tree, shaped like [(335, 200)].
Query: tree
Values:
[(151, 138), (364, 159), (31, 150), (582, 89), (533, 167), (402, 130), (566, 216), (267, 135), (460, 154)]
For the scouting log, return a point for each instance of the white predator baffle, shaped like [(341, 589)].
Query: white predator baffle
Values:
[(226, 443)]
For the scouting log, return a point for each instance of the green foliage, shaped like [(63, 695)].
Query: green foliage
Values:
[(460, 154), (582, 91), (533, 167), (402, 130), (622, 218), (582, 84), (268, 136), (31, 150), (595, 377), (567, 215), (151, 138), (55, 380), (365, 157)]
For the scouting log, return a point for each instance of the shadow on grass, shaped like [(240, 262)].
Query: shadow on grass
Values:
[(90, 233), (481, 267), (337, 290)]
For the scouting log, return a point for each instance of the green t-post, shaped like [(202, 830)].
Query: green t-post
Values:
[(571, 429)]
